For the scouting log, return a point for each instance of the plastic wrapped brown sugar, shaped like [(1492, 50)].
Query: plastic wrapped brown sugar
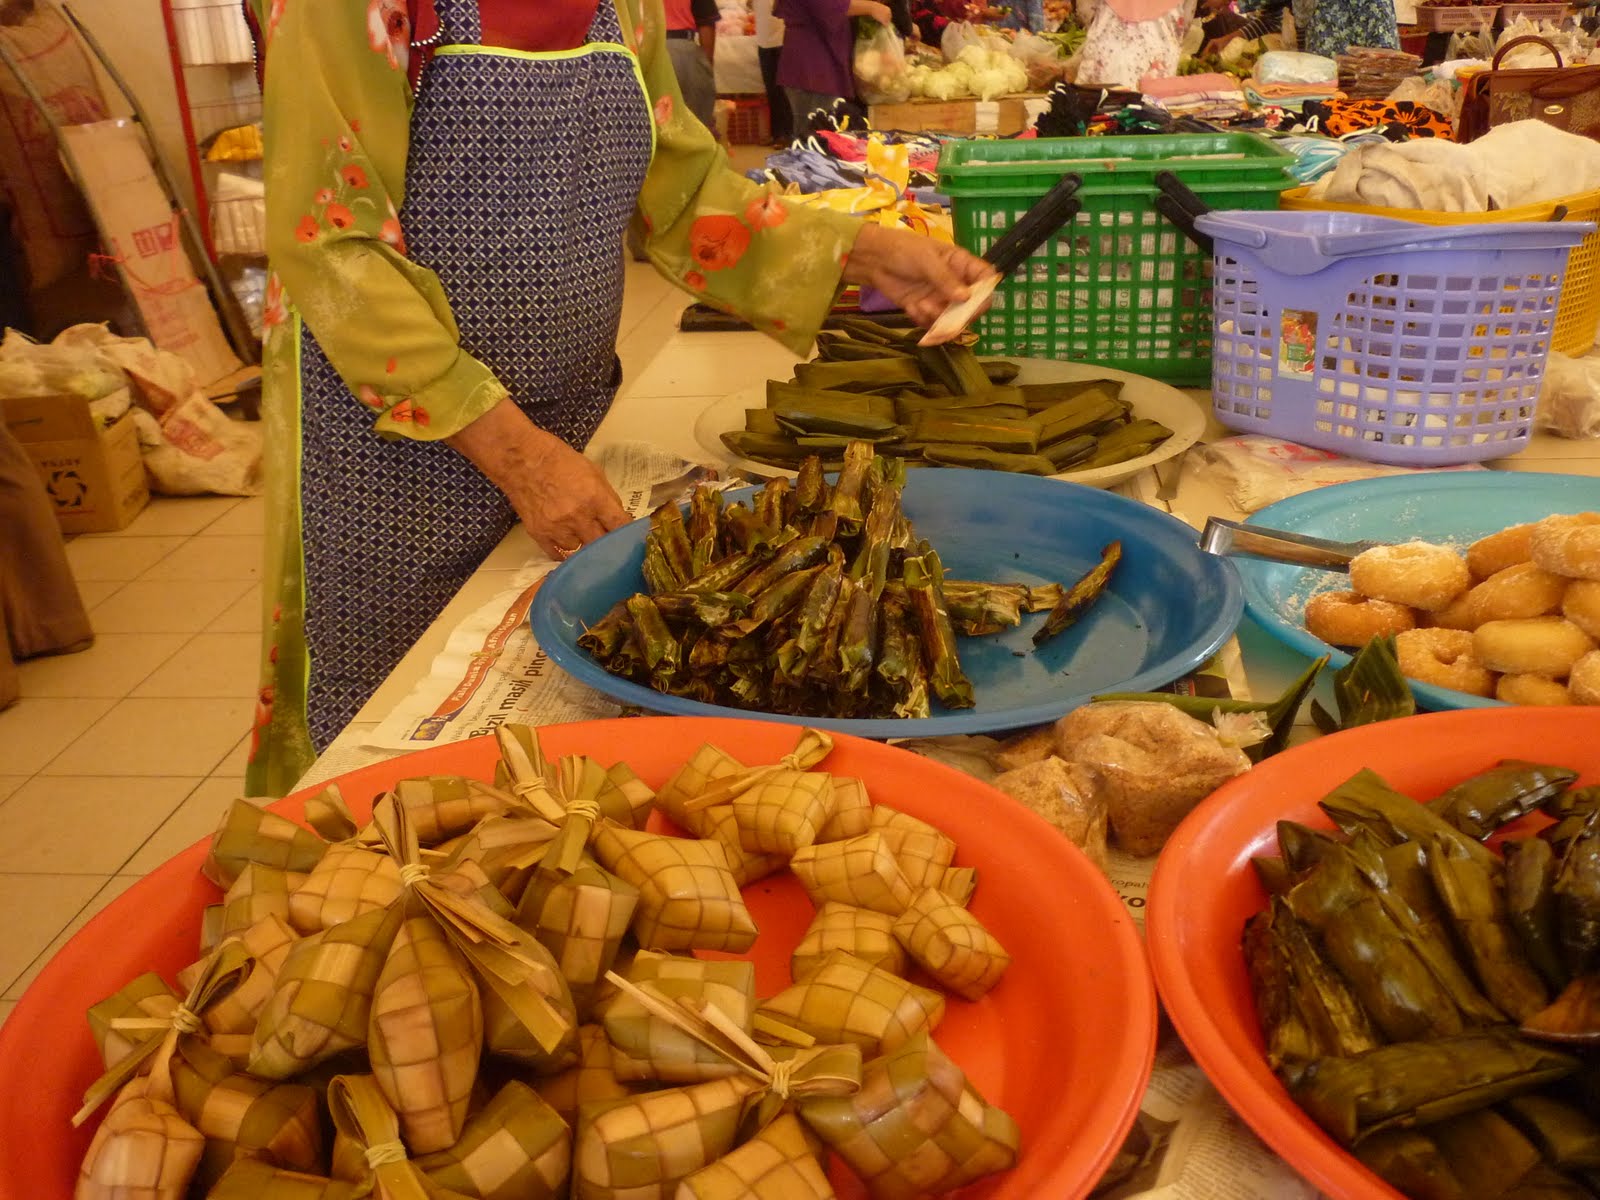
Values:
[(259, 892), (862, 871), (143, 1150), (923, 852), (779, 1163), (847, 1000), (851, 813), (1048, 788), (516, 1147), (859, 932), (581, 919), (322, 1002), (644, 1047), (688, 899), (249, 834), (348, 880), (241, 1116), (593, 1077), (267, 944), (426, 1033), (951, 944), (916, 1127)]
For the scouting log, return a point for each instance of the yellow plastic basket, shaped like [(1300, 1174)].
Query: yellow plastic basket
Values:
[(1579, 309)]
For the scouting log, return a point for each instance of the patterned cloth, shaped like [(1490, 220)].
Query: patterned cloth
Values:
[(1118, 53), (511, 181), (1397, 120)]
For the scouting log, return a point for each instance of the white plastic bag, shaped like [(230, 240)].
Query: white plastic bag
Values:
[(1260, 470), (196, 448), (1569, 404), (881, 71), (1293, 66), (958, 35)]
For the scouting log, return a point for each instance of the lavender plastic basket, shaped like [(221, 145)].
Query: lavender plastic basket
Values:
[(1400, 343)]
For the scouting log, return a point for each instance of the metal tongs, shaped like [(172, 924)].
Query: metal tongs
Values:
[(1223, 537)]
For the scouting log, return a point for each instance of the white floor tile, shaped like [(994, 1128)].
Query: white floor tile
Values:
[(218, 665), (5, 1010), (149, 607), (35, 730), (107, 891), (242, 616), (10, 783), (248, 518), (37, 908), (117, 558), (238, 759), (195, 819), (207, 558), (113, 666), (94, 591), (157, 737), (179, 516), (76, 825)]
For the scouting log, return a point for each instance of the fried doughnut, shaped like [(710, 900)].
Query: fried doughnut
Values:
[(1581, 606), (1417, 574), (1489, 555), (1531, 689), (1584, 682), (1567, 545), (1519, 591), (1351, 619), (1444, 658), (1545, 646)]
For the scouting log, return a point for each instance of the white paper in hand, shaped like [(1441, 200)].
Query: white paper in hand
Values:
[(954, 319)]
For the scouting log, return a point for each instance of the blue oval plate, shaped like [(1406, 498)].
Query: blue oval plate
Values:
[(1453, 508), (1169, 607)]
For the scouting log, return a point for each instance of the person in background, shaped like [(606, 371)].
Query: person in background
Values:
[(818, 52), (692, 45), (441, 319), (1126, 40), (769, 48), (1325, 27)]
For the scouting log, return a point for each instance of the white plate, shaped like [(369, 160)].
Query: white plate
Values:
[(1150, 398)]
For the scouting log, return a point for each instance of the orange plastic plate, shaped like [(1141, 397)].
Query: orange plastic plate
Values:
[(1064, 1043), (1204, 889)]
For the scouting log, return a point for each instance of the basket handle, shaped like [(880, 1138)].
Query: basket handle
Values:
[(1035, 227), (1181, 206), (1494, 64)]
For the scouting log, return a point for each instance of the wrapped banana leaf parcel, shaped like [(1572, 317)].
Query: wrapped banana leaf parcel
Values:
[(823, 602), (939, 405)]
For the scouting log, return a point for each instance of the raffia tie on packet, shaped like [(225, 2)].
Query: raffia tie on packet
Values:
[(644, 1047)]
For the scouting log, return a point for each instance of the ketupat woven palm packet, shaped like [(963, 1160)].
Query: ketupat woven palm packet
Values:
[(644, 1047), (923, 852), (323, 999), (706, 765), (259, 892), (688, 899), (267, 944), (848, 1001), (143, 1150), (146, 995), (581, 919), (862, 872), (426, 1033), (851, 814), (249, 834), (241, 1116), (860, 932), (253, 1179), (349, 880), (780, 806), (506, 849), (516, 1147), (444, 806), (328, 813), (951, 944), (720, 825), (917, 1127), (363, 1118), (777, 1164), (640, 1147), (959, 883), (592, 1078)]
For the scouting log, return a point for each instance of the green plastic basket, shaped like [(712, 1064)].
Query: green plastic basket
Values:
[(1119, 285)]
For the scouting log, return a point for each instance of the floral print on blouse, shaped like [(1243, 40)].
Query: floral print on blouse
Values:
[(337, 136), (1118, 53)]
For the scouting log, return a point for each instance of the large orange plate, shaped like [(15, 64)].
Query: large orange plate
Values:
[(1204, 889), (1064, 1043)]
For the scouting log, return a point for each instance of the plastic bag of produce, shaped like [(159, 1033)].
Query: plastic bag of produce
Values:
[(882, 75)]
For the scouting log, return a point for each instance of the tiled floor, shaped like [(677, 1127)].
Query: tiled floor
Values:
[(118, 757)]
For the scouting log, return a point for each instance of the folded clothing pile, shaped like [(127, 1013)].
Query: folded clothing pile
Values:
[(1371, 74)]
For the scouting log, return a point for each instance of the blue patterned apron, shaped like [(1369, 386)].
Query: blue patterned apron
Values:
[(523, 172)]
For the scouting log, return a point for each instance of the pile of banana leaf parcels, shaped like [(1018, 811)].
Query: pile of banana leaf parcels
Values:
[(938, 406), (489, 992), (814, 600), (1420, 993)]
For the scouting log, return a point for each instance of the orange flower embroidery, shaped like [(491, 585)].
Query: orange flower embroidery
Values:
[(274, 15), (353, 176), (340, 217), (368, 395), (355, 125), (273, 310), (324, 196), (389, 31), (391, 233), (406, 410), (346, 144), (718, 242), (663, 110), (307, 230), (388, 367), (695, 280), (766, 212)]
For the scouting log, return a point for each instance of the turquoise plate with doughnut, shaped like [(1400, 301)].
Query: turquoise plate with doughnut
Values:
[(1452, 508)]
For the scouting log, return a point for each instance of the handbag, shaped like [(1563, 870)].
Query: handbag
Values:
[(1566, 97)]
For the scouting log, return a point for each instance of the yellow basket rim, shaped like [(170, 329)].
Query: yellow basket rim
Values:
[(1581, 206)]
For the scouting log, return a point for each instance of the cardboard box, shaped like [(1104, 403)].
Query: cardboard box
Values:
[(1003, 117), (95, 478)]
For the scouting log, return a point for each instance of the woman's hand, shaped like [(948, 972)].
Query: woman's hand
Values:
[(562, 499), (920, 274), (1218, 45)]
